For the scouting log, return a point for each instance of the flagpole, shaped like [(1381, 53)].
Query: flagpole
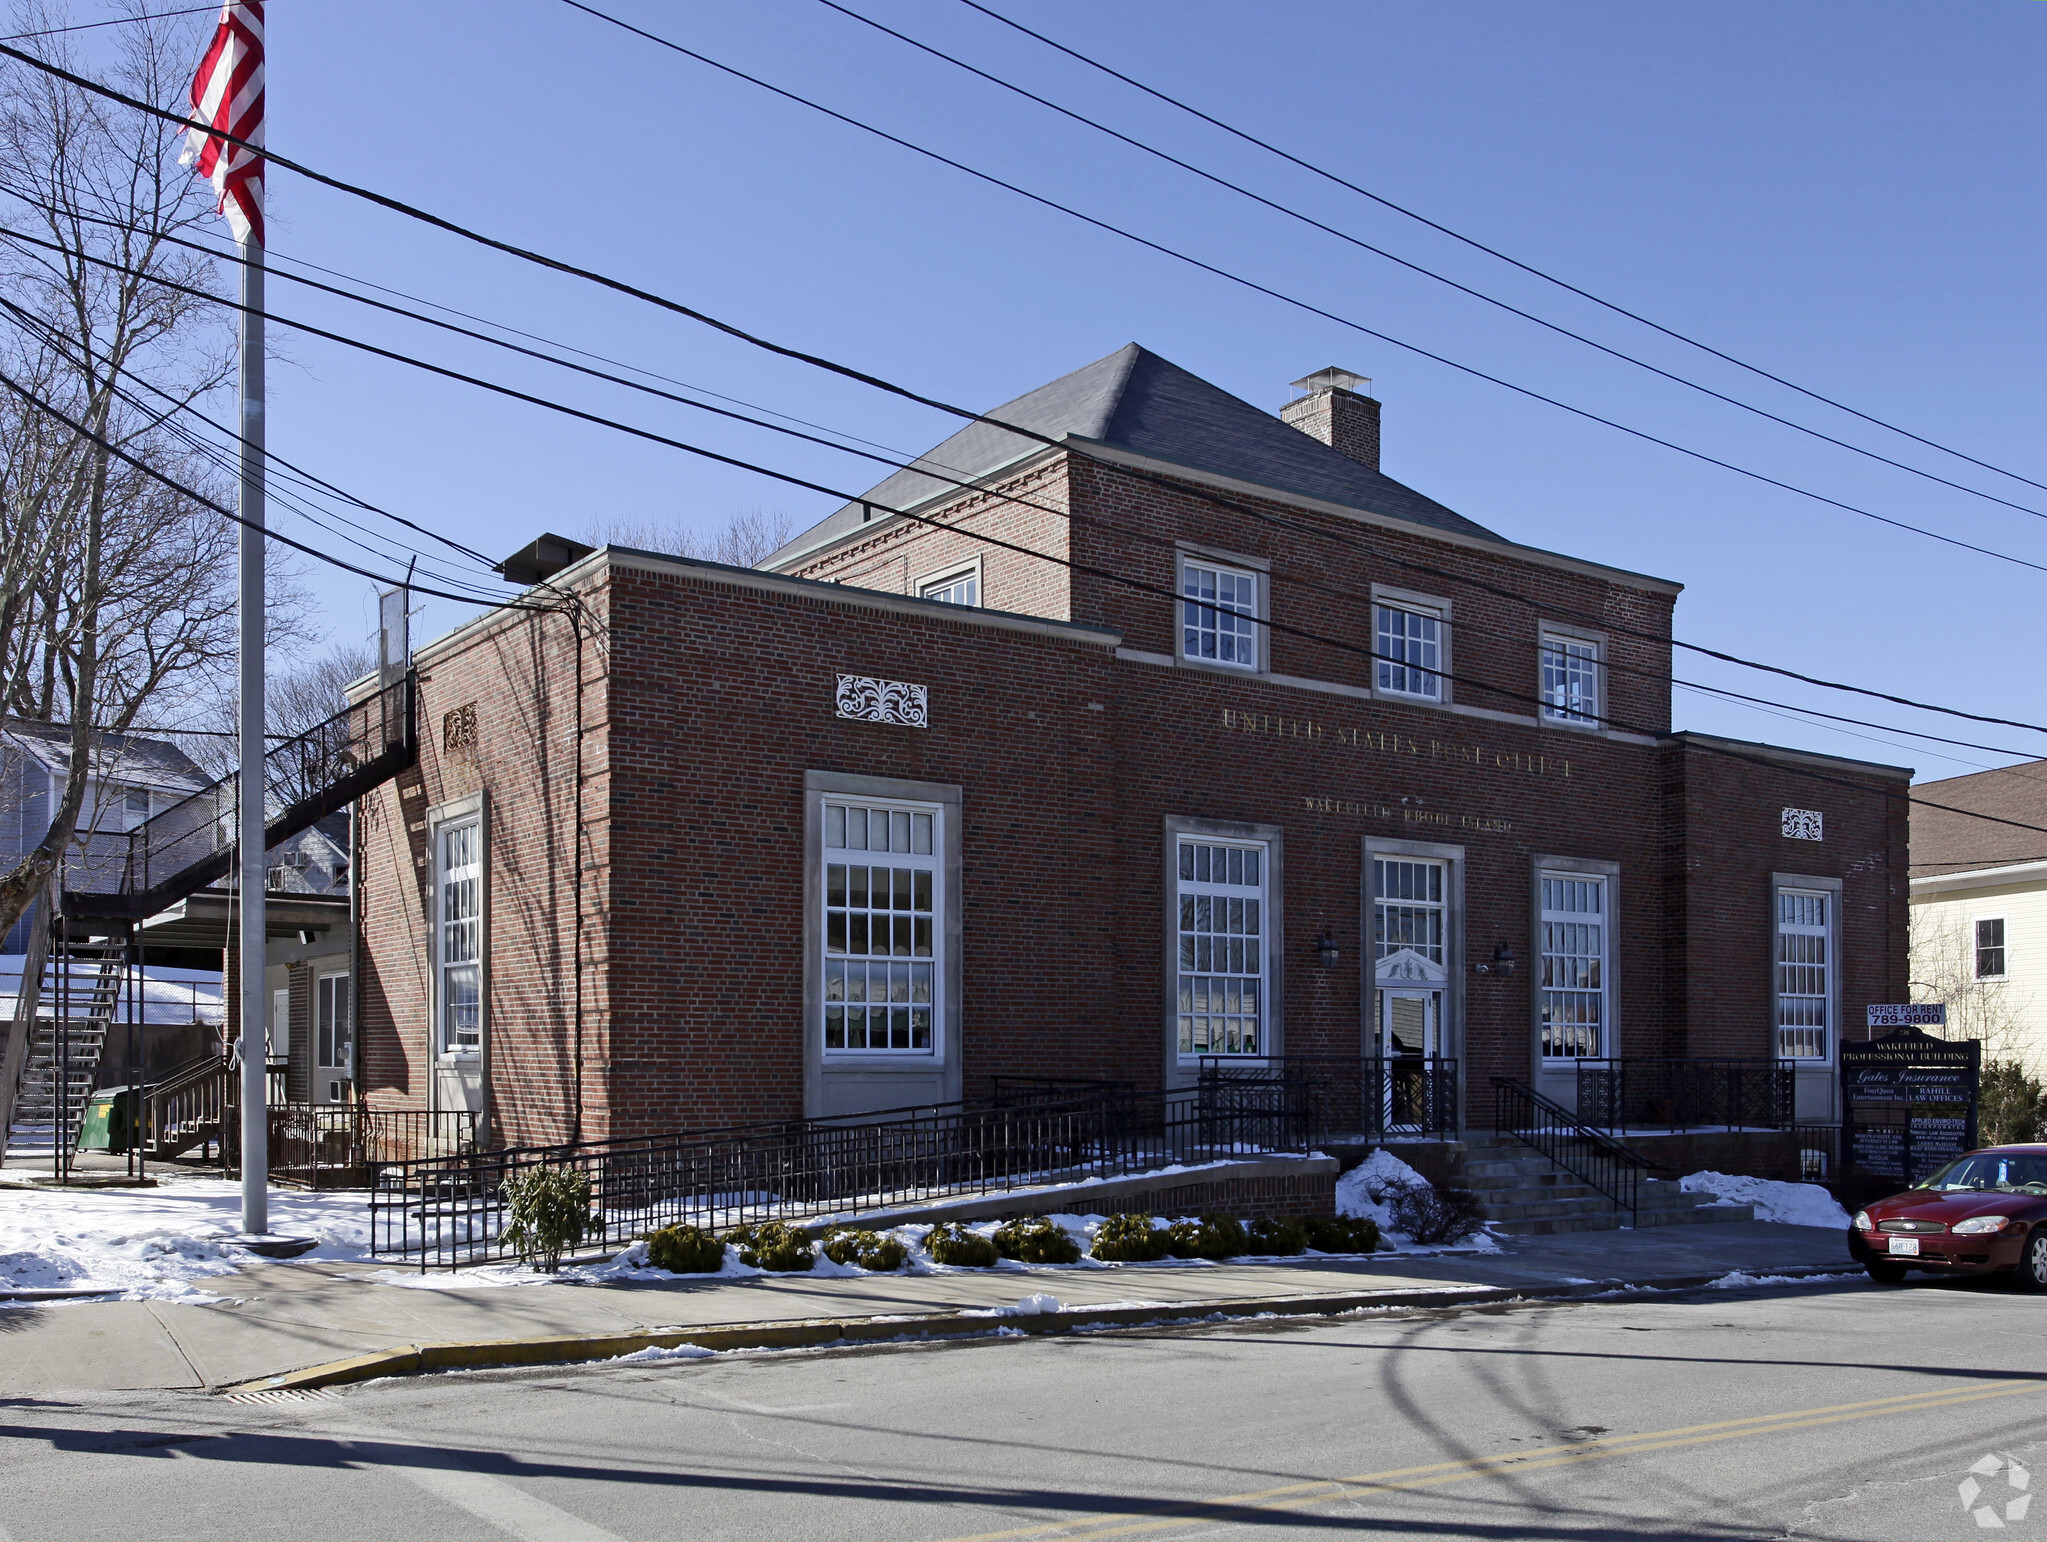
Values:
[(254, 931)]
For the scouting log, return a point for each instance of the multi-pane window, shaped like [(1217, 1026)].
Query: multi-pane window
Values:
[(1804, 965), (1990, 949), (1222, 915), (459, 935), (881, 933), (962, 588), (333, 1033), (1570, 679), (1409, 645), (1574, 943), (1407, 908), (1219, 615)]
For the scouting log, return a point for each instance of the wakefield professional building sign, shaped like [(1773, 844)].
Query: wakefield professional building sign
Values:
[(1909, 1099)]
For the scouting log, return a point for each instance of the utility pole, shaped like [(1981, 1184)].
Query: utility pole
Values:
[(250, 810)]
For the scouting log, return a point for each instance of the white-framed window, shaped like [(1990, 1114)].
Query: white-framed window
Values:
[(960, 587), (333, 1023), (1990, 958), (1219, 613), (1224, 960), (1570, 679), (1409, 911), (1408, 642), (458, 933), (1576, 936), (1805, 970), (883, 910)]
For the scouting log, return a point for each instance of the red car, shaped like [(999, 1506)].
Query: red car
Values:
[(1984, 1211)]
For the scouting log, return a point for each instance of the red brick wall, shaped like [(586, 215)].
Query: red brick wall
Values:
[(705, 702)]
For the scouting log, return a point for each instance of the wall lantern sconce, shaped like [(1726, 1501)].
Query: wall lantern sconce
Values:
[(1326, 951), (1503, 961)]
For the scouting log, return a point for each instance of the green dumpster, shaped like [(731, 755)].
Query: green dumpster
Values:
[(107, 1121)]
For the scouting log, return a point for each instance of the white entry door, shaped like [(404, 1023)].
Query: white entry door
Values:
[(1410, 1023)]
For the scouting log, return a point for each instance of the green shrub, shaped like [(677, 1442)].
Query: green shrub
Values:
[(951, 1243), (549, 1210), (1279, 1235), (1130, 1239), (772, 1246), (1035, 1239), (869, 1250), (1342, 1233), (1213, 1236), (685, 1250)]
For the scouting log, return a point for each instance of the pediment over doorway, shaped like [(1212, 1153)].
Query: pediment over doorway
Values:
[(1406, 966)]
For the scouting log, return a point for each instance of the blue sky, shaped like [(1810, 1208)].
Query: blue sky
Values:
[(1846, 195)]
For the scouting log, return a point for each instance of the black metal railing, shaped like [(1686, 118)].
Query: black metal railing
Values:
[(450, 1211), (189, 845), (343, 1146), (1592, 1156), (1339, 1098), (1690, 1094)]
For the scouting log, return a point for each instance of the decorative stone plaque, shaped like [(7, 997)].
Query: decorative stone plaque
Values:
[(884, 701), (1802, 824)]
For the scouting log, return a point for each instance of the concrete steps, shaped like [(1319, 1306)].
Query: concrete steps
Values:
[(1524, 1194)]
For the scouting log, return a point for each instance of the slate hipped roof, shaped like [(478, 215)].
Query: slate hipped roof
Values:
[(1136, 401), (1944, 842), (128, 759)]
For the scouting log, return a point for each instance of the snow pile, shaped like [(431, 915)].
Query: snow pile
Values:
[(1034, 1306), (1788, 1204), (157, 1244), (1367, 1189), (655, 1353)]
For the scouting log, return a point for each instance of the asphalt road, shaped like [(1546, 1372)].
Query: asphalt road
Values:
[(1844, 1411)]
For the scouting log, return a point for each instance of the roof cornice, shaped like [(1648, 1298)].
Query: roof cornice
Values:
[(1798, 757), (1981, 878)]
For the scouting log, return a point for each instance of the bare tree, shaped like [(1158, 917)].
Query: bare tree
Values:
[(116, 592), (1998, 1012), (748, 538)]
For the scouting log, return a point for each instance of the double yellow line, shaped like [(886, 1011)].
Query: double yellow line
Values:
[(1299, 1496)]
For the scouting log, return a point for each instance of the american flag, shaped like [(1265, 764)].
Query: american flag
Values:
[(227, 96)]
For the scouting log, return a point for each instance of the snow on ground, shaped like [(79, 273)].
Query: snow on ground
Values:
[(161, 1243), (1361, 1192), (168, 995), (157, 1244), (1788, 1204)]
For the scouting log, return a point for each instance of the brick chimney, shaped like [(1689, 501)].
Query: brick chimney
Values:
[(1337, 411)]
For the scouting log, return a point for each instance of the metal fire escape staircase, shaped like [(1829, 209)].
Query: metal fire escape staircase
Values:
[(95, 929)]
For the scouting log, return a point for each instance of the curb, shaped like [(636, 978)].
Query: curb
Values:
[(820, 1332)]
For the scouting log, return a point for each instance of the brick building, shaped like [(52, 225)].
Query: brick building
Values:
[(1164, 730)]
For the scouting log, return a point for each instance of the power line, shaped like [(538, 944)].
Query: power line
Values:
[(1415, 267), (965, 484), (819, 362), (861, 376), (57, 414), (118, 21), (1342, 645), (1304, 305), (1476, 245)]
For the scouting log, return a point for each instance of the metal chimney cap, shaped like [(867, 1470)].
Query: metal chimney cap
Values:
[(1334, 379)]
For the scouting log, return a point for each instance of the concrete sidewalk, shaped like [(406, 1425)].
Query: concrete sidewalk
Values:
[(278, 1317)]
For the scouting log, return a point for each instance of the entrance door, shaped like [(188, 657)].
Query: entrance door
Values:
[(1410, 1042), (333, 1039)]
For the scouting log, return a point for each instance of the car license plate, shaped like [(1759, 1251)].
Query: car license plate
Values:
[(1904, 1244)]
